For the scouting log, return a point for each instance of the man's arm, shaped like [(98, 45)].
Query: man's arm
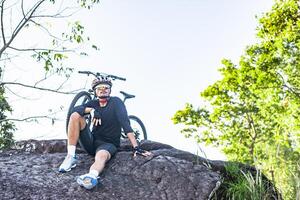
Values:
[(136, 149), (84, 109)]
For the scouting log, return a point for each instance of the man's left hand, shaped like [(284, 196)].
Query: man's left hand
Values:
[(138, 151)]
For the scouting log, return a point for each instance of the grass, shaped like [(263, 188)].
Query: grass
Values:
[(241, 185)]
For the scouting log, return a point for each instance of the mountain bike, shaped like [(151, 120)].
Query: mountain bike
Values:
[(83, 97)]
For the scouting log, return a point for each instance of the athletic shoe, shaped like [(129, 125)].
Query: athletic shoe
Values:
[(68, 163), (88, 181)]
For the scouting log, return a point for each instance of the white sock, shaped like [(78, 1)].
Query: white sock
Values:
[(94, 173), (71, 150)]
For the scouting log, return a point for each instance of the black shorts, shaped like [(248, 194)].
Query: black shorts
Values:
[(92, 146)]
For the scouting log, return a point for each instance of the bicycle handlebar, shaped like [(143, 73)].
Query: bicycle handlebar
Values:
[(85, 72), (102, 75)]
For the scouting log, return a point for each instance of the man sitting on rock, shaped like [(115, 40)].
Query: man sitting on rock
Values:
[(108, 116)]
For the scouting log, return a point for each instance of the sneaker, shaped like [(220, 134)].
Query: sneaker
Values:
[(68, 164), (88, 181)]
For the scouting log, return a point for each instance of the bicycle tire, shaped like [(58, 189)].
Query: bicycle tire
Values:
[(138, 127), (85, 96)]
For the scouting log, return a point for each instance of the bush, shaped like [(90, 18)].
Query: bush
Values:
[(6, 127), (241, 184), (6, 135)]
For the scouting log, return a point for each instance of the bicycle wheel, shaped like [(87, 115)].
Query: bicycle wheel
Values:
[(138, 127), (80, 99)]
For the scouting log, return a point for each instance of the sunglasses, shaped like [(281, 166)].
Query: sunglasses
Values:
[(102, 87)]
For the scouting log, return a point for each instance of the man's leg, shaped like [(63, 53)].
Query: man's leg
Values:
[(103, 154), (90, 180), (76, 124), (101, 158)]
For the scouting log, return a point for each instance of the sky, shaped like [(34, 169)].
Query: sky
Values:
[(169, 51)]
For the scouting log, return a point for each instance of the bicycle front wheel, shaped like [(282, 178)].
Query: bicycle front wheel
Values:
[(80, 99), (138, 127)]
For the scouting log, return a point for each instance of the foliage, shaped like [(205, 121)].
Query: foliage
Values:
[(19, 21), (6, 128), (253, 112)]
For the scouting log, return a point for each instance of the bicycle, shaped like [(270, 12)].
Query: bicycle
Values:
[(83, 97)]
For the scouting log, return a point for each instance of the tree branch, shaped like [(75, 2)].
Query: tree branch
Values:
[(45, 29), (27, 118), (21, 24), (46, 77), (252, 127), (1, 19), (22, 8), (284, 84), (62, 84), (35, 87), (43, 79), (59, 14), (22, 97), (40, 49)]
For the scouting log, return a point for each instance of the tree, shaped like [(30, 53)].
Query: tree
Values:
[(253, 112), (21, 21)]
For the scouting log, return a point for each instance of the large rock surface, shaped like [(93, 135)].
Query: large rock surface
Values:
[(29, 171)]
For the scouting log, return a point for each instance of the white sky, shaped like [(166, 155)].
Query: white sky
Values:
[(169, 51)]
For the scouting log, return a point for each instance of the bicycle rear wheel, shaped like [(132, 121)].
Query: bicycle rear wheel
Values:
[(138, 127)]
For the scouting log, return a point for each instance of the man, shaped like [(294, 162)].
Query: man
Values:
[(108, 116)]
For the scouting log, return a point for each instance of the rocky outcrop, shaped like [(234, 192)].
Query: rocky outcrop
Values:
[(29, 171)]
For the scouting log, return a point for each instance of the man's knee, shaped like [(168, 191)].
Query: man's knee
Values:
[(103, 155), (76, 117)]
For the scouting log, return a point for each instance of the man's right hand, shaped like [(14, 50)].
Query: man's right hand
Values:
[(96, 117)]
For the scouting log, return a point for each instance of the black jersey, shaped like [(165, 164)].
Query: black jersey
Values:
[(113, 117)]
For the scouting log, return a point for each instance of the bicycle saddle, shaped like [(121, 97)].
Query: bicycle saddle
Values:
[(126, 95)]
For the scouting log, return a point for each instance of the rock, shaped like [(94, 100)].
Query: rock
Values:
[(29, 171)]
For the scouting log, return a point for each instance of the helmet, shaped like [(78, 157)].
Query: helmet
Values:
[(101, 80)]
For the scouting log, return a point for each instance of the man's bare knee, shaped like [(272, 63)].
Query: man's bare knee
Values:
[(77, 118), (103, 155)]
